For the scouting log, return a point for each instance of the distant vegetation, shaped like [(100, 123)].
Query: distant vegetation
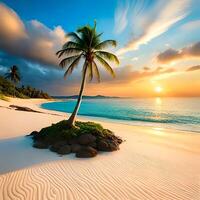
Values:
[(13, 74), (7, 88), (2, 97), (86, 97)]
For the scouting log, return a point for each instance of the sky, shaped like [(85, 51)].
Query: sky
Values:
[(158, 44)]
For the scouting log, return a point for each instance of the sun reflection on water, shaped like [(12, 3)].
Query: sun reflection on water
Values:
[(158, 101), (159, 131), (158, 107)]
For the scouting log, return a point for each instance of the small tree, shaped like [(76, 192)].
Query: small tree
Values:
[(86, 45), (14, 75)]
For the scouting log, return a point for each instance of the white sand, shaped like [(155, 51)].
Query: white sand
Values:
[(151, 164)]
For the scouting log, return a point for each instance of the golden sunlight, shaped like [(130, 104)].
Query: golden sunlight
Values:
[(158, 101), (158, 89)]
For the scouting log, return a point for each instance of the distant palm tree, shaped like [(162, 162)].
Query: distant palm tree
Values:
[(14, 75), (86, 45)]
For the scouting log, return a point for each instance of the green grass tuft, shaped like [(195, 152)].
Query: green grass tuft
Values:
[(60, 132), (4, 98)]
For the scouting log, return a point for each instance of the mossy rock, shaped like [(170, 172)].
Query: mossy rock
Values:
[(66, 149), (85, 134), (75, 148), (86, 152), (40, 145)]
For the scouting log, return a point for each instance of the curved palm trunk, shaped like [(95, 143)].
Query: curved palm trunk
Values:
[(14, 89), (71, 120)]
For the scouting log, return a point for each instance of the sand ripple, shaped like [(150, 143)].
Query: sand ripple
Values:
[(114, 177), (151, 165)]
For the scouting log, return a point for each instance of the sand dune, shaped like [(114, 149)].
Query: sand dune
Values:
[(152, 164)]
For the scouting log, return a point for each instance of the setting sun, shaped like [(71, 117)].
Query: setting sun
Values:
[(158, 89)]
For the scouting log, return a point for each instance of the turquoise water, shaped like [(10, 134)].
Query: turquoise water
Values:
[(178, 113)]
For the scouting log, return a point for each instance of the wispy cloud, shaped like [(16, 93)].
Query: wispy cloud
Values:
[(157, 21), (193, 68), (121, 18), (192, 25), (33, 40), (134, 58), (128, 74), (171, 55)]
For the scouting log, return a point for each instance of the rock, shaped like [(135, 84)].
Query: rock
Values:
[(73, 141), (102, 145), (40, 145), (21, 108), (107, 145), (119, 140), (38, 137), (33, 133), (86, 152), (113, 146), (86, 139), (94, 144), (66, 149), (75, 148), (55, 147)]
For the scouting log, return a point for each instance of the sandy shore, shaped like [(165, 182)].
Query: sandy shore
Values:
[(151, 164)]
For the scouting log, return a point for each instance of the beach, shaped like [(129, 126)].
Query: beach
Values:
[(152, 163)]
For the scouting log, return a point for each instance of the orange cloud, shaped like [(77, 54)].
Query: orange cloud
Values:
[(126, 74), (33, 41), (170, 55), (193, 68), (11, 25)]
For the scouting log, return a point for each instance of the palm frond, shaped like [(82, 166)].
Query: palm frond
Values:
[(13, 74), (68, 60), (86, 42), (105, 44), (96, 71), (108, 56), (72, 66), (75, 37), (71, 44), (86, 34), (7, 75), (17, 77), (68, 51), (106, 65)]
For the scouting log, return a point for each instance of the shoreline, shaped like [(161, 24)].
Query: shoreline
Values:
[(151, 164), (37, 105), (123, 122)]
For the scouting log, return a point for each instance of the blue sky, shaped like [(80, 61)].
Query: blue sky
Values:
[(68, 14), (144, 29)]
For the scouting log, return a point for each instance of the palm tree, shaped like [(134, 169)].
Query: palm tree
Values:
[(86, 45), (14, 75)]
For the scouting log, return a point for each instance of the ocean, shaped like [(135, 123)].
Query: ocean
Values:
[(173, 113)]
